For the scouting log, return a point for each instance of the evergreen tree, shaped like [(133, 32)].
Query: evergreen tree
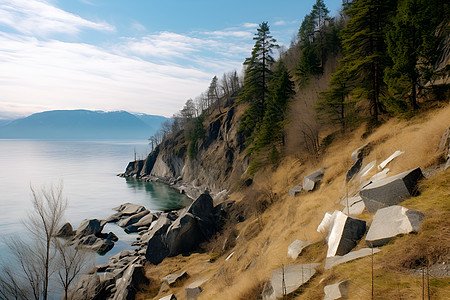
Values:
[(256, 77), (365, 50), (413, 48), (281, 89)]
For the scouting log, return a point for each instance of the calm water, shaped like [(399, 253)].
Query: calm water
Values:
[(88, 171)]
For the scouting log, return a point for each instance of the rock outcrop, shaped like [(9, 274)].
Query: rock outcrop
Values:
[(391, 221)]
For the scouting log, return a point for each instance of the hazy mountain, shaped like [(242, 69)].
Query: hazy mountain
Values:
[(82, 124)]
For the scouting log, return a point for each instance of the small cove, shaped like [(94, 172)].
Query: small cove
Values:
[(88, 172)]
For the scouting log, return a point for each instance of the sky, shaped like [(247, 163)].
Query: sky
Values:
[(146, 56)]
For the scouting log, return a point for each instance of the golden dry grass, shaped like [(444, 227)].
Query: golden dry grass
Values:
[(261, 241)]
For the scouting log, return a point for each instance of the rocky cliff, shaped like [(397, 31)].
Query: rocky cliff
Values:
[(218, 163)]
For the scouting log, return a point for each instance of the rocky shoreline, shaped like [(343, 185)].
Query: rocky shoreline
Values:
[(160, 234)]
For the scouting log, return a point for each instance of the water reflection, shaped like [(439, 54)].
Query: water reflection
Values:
[(162, 197)]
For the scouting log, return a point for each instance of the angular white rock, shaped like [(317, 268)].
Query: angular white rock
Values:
[(296, 247), (389, 159), (336, 291), (337, 260)]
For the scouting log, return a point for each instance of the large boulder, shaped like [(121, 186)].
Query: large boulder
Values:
[(158, 227), (90, 287), (336, 291), (133, 218), (183, 235), (391, 190), (129, 209), (310, 181), (96, 244), (344, 233), (391, 221), (89, 227), (288, 279), (156, 244)]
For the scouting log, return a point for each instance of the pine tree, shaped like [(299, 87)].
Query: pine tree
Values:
[(256, 77), (365, 50), (413, 48), (281, 89)]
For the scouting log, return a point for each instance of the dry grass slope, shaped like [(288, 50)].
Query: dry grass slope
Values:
[(274, 220)]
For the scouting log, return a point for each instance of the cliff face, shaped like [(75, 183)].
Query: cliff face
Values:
[(218, 163)]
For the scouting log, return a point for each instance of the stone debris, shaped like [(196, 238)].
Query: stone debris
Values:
[(337, 260), (363, 173), (359, 152), (354, 169), (325, 224), (174, 279), (194, 289), (355, 206), (389, 159), (391, 221), (295, 191), (310, 181), (344, 233), (380, 175), (391, 190), (169, 297), (296, 247), (336, 291), (288, 279)]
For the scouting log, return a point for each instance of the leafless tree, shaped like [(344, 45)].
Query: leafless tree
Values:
[(34, 258)]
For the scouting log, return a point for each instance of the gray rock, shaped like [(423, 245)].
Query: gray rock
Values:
[(89, 227), (90, 287), (355, 206), (129, 209), (391, 221), (337, 260), (336, 291), (146, 220), (66, 231), (111, 236), (391, 190), (310, 181), (96, 244), (176, 278), (169, 297), (359, 152), (156, 247), (295, 190), (183, 235), (128, 284), (158, 227), (288, 279), (133, 218), (195, 288), (345, 232), (354, 169), (296, 247)]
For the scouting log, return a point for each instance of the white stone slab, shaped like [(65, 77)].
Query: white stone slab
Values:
[(336, 260), (296, 247), (389, 159)]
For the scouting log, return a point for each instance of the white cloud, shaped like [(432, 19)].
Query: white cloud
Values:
[(250, 25), (230, 33), (280, 23), (40, 18)]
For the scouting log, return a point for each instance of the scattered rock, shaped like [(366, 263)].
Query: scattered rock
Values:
[(391, 221), (355, 206), (169, 297), (337, 260), (111, 236), (354, 169), (133, 218), (288, 279), (129, 209), (391, 190), (194, 289), (389, 159), (345, 232), (183, 235), (96, 244), (296, 247), (295, 191), (336, 291), (66, 231), (88, 227), (360, 152), (127, 285), (176, 278), (310, 181)]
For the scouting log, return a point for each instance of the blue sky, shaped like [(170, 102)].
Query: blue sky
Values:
[(141, 56)]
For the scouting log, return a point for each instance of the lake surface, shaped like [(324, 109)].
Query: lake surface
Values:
[(88, 171)]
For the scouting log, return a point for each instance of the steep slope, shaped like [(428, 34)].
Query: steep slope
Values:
[(81, 124), (266, 220)]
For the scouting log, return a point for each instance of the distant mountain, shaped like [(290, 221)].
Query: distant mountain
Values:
[(82, 124)]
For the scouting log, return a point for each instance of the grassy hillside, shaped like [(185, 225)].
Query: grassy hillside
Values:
[(273, 220)]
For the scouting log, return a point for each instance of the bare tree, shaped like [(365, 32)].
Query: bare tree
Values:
[(34, 258)]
